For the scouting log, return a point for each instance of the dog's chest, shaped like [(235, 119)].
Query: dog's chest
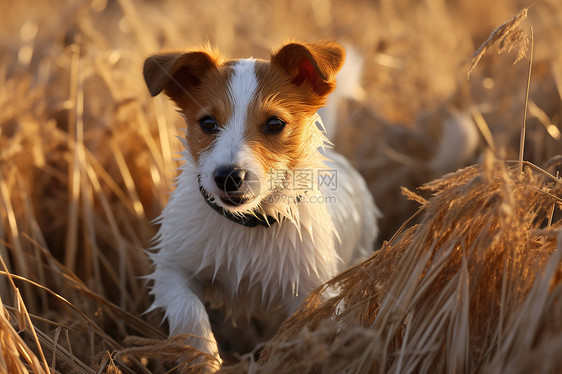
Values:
[(245, 268)]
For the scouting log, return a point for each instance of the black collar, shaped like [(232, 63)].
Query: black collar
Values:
[(248, 221)]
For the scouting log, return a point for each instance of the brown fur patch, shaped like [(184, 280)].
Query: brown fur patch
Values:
[(277, 96), (198, 83), (211, 98)]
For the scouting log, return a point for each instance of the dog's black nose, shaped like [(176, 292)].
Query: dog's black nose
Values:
[(229, 178)]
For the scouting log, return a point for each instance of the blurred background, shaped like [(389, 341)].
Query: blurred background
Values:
[(87, 158)]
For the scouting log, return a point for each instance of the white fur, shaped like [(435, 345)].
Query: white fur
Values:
[(201, 256), (230, 147)]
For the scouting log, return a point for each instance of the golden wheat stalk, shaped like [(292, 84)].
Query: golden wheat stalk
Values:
[(509, 35)]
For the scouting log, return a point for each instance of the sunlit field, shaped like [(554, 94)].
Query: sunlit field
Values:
[(466, 276)]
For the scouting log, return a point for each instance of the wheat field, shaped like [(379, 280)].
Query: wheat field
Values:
[(467, 272)]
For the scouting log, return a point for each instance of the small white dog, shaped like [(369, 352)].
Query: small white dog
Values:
[(262, 213)]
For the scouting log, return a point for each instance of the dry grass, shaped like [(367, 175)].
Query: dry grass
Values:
[(475, 286), (87, 161), (509, 35)]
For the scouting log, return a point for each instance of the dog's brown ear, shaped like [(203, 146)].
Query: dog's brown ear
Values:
[(315, 64), (175, 73)]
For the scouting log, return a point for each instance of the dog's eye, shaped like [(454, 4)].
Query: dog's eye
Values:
[(274, 125), (209, 125)]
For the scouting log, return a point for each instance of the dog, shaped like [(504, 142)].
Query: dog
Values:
[(264, 210)]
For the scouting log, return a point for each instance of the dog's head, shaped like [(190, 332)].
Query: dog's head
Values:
[(248, 121)]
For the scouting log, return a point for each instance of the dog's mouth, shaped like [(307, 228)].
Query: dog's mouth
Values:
[(236, 199), (229, 198)]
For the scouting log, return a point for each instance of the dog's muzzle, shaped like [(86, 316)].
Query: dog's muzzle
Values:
[(251, 219)]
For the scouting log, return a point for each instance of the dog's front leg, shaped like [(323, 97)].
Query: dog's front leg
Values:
[(181, 298)]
